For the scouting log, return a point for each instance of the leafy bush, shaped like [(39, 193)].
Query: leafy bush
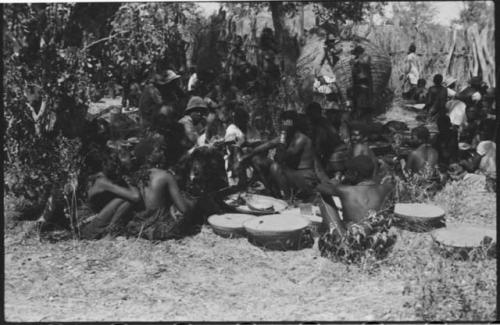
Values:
[(45, 100)]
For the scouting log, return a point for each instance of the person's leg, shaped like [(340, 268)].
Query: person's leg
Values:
[(114, 211), (280, 180), (166, 181), (262, 166)]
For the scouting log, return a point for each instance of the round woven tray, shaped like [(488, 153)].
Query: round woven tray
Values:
[(229, 224), (277, 231), (463, 241), (419, 217), (258, 200)]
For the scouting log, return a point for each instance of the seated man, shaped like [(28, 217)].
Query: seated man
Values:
[(425, 157), (359, 146), (324, 136), (297, 168), (360, 198), (420, 94), (194, 115), (446, 142)]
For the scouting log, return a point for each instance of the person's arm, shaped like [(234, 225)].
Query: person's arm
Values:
[(331, 187), (191, 133), (130, 194), (262, 148), (294, 152), (320, 171)]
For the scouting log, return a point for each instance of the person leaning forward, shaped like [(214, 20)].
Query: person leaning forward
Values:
[(297, 169)]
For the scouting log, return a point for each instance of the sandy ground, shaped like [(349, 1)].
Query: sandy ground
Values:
[(200, 279), (209, 278)]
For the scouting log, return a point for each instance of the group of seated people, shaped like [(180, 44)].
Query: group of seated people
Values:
[(466, 121), (170, 180)]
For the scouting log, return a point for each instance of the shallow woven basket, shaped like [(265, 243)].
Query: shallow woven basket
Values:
[(278, 205), (465, 241), (274, 238), (229, 225), (418, 217)]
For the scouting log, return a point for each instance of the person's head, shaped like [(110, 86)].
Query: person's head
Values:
[(357, 136), (172, 78), (443, 123), (313, 111), (196, 108), (420, 134), (158, 80), (120, 162), (289, 121), (412, 48), (149, 152), (421, 83), (472, 112), (360, 168), (451, 83), (438, 79)]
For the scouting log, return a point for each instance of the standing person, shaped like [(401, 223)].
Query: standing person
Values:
[(151, 99), (362, 82), (435, 104), (195, 113), (412, 74), (323, 134), (446, 142)]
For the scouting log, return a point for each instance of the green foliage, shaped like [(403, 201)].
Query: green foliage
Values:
[(45, 84), (367, 241), (334, 14), (146, 37), (474, 12)]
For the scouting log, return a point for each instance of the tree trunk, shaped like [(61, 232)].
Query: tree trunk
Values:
[(447, 69)]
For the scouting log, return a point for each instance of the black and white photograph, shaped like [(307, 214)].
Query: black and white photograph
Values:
[(246, 162)]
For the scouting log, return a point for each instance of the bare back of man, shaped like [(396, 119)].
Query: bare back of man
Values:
[(162, 191), (359, 199), (423, 157)]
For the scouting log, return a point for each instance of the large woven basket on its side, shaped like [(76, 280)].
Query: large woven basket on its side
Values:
[(380, 69), (308, 65)]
